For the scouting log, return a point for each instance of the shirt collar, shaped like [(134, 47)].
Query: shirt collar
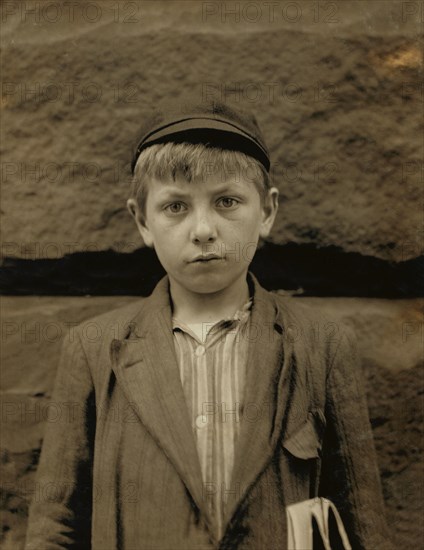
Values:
[(241, 315), (155, 311)]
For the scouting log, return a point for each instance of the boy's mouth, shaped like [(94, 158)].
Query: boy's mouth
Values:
[(206, 258)]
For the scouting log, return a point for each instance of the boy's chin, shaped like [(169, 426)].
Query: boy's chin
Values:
[(206, 288), (209, 283)]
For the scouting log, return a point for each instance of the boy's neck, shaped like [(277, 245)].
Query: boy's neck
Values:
[(191, 307)]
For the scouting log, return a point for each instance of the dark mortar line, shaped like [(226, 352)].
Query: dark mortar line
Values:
[(303, 269)]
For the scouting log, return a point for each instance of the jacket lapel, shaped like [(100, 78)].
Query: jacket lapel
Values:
[(146, 367), (268, 409), (254, 447)]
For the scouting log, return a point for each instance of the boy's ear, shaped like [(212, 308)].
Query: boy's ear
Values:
[(140, 222), (269, 211)]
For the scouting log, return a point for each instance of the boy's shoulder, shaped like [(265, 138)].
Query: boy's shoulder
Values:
[(305, 318), (299, 309), (112, 324)]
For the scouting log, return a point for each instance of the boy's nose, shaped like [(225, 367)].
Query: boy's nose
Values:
[(203, 229)]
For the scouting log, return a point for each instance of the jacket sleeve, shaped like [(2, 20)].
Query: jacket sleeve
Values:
[(349, 475), (60, 512)]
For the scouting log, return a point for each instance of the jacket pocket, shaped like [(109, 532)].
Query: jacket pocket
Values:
[(306, 441)]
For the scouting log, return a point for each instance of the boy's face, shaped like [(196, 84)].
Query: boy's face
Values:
[(185, 221)]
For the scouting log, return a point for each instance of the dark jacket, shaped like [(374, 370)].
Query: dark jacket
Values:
[(119, 465)]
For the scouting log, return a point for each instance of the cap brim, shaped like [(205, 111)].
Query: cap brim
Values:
[(212, 132)]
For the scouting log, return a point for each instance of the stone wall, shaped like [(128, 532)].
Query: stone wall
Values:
[(338, 95)]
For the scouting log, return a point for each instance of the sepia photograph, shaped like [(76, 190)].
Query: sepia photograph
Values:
[(212, 275)]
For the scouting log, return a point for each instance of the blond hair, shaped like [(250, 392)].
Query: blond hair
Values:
[(194, 162)]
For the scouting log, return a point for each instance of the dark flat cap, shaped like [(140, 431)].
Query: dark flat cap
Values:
[(212, 123)]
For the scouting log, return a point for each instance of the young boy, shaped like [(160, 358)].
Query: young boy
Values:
[(207, 408)]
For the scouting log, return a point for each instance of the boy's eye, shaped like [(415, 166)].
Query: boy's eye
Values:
[(228, 202), (175, 207)]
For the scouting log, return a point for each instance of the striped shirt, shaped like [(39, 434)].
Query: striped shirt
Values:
[(212, 361)]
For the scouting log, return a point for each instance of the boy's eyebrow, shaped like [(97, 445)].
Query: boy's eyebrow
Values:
[(175, 192), (234, 187), (172, 192)]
